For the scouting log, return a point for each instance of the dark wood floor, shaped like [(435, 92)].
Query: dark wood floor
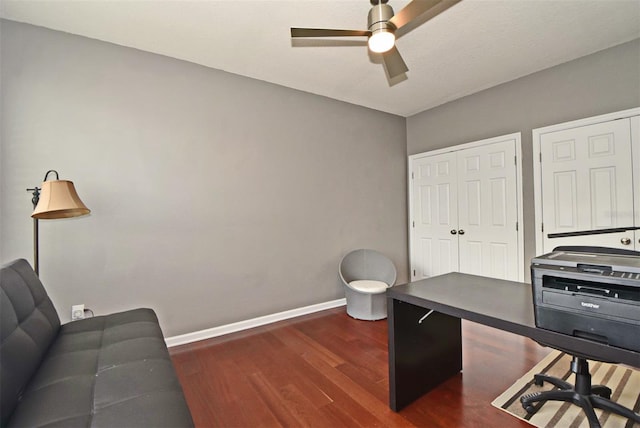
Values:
[(329, 370)]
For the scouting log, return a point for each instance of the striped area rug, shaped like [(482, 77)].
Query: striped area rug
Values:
[(623, 381)]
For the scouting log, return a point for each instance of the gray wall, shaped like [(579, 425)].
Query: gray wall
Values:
[(600, 83), (215, 198)]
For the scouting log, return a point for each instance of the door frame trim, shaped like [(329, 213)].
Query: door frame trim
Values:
[(517, 136), (537, 172), (635, 137)]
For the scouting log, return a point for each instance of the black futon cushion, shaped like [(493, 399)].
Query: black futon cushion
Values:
[(106, 371)]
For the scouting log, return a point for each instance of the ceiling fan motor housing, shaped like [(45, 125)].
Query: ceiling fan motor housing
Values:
[(378, 18)]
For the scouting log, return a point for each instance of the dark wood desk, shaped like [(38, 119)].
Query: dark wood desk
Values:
[(424, 352)]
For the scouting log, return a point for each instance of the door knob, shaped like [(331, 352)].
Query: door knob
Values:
[(625, 241), (461, 232), (453, 231)]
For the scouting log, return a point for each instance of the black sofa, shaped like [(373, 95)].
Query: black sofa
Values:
[(105, 371)]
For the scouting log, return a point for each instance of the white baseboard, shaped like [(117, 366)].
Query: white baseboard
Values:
[(247, 324)]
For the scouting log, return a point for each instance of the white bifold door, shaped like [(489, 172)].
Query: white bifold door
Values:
[(464, 211), (587, 186)]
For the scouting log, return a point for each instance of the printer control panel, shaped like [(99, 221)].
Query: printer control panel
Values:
[(603, 271), (629, 275)]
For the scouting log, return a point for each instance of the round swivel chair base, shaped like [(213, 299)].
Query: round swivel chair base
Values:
[(366, 306)]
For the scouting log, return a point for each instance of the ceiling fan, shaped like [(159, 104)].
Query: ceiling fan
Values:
[(382, 27)]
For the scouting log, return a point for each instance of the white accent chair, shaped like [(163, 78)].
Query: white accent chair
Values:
[(366, 275)]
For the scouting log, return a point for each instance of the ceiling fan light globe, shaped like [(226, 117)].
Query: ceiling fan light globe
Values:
[(381, 41)]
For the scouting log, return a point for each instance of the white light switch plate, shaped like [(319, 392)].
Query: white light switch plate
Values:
[(77, 312)]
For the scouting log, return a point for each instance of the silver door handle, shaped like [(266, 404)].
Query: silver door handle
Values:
[(625, 241), (461, 232)]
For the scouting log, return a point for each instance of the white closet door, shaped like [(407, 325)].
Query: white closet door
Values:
[(488, 210), (587, 176), (464, 211), (435, 214)]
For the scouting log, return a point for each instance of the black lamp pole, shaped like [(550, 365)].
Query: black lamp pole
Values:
[(36, 243), (36, 258)]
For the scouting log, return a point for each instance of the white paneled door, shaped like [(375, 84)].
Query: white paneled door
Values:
[(435, 215), (487, 204), (586, 178), (464, 211)]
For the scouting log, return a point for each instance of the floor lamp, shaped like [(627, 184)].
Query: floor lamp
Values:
[(56, 199)]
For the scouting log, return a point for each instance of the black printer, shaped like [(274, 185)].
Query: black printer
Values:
[(594, 296)]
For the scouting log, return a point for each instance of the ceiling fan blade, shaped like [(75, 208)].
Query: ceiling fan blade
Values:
[(417, 8), (394, 63), (323, 32)]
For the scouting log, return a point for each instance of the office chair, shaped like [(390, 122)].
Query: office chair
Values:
[(582, 394)]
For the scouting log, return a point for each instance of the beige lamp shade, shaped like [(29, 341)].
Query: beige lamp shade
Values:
[(59, 199)]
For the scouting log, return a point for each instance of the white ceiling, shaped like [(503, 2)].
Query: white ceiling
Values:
[(474, 45)]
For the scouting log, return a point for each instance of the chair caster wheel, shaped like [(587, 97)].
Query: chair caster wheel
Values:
[(524, 400)]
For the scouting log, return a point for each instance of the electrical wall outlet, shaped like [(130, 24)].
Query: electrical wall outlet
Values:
[(77, 312)]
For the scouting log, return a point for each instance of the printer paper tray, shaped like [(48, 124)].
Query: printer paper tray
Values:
[(599, 307)]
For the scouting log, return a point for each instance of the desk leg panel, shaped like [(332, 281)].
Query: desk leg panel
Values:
[(423, 352)]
